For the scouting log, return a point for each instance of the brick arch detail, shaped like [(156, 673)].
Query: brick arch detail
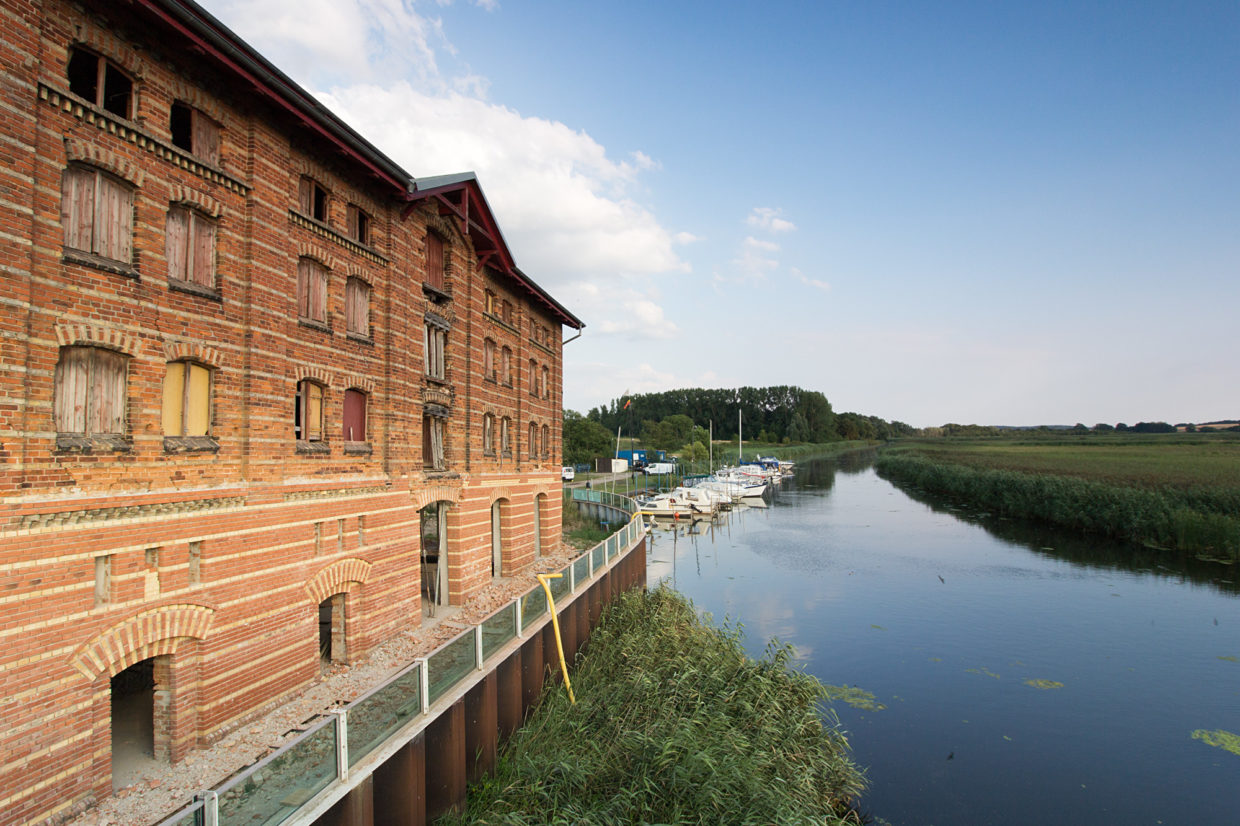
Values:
[(80, 151), (437, 493), (186, 196), (98, 39), (192, 351), (316, 253), (498, 494), (335, 577), (147, 634), (185, 92), (316, 374), (97, 335), (353, 380)]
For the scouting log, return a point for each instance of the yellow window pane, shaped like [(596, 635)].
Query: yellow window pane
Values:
[(198, 414), (174, 396)]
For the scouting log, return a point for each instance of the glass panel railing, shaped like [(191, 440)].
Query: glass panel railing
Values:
[(612, 542), (378, 715), (498, 629), (533, 606), (560, 586), (596, 556), (282, 783), (449, 665), (581, 568)]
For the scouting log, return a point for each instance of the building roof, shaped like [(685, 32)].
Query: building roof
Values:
[(458, 194)]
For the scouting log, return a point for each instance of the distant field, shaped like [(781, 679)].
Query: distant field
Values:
[(1157, 460)]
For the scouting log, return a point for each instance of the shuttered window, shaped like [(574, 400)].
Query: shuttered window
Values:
[(312, 198), (506, 366), (354, 416), (435, 261), (90, 392), (505, 435), (97, 214), (359, 224), (308, 412), (533, 378), (533, 441), (99, 81), (190, 247), (546, 384), (311, 291), (187, 399), (546, 441), (432, 443), (194, 132), (357, 307), (434, 340), (488, 434), (488, 359)]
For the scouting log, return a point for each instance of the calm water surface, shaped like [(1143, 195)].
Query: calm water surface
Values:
[(944, 614)]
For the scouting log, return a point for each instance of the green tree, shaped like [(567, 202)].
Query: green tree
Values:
[(585, 439)]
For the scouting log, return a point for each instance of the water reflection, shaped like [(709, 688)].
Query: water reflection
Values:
[(1025, 675)]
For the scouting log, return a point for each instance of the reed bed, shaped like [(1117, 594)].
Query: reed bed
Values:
[(1194, 519), (674, 724)]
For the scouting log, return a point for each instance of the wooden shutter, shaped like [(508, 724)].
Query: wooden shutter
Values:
[(488, 445), (354, 416), (312, 424), (202, 251), (72, 373), (206, 138), (357, 306), (174, 399), (303, 288), (77, 207), (434, 261), (176, 243), (113, 220), (105, 410), (197, 400), (533, 440), (318, 293), (428, 454), (305, 195)]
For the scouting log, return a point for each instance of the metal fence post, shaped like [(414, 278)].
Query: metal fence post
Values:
[(478, 646), (519, 618), (342, 743), (424, 684), (210, 807)]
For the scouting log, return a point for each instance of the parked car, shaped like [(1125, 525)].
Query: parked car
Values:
[(567, 474)]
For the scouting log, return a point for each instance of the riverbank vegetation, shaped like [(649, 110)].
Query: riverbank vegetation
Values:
[(673, 724), (1174, 492)]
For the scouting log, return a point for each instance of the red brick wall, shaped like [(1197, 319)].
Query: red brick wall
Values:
[(245, 634)]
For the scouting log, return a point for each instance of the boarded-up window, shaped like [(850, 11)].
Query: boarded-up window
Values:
[(194, 132), (354, 416), (533, 378), (90, 392), (506, 366), (435, 341), (488, 434), (546, 382), (546, 441), (505, 435), (187, 399), (190, 247), (97, 214), (100, 82), (357, 306), (488, 359), (491, 303), (432, 443), (359, 224), (505, 312), (311, 291), (435, 261), (312, 198), (532, 444), (308, 412)]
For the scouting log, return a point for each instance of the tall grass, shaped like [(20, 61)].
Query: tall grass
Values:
[(1189, 520), (673, 724)]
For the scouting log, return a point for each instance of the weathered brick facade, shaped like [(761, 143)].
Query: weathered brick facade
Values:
[(210, 552)]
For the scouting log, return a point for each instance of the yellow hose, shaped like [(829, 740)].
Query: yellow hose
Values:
[(555, 623)]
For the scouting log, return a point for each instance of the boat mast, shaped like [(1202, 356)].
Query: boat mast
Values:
[(740, 437)]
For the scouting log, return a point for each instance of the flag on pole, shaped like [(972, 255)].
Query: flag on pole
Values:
[(626, 404)]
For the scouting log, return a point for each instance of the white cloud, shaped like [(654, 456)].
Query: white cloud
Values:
[(769, 219), (810, 282), (685, 238)]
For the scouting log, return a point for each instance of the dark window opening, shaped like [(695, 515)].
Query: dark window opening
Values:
[(313, 199), (133, 723), (181, 124), (95, 79)]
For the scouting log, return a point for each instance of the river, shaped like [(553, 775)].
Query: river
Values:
[(1025, 675)]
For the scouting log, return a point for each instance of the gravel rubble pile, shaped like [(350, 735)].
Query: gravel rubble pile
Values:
[(164, 789)]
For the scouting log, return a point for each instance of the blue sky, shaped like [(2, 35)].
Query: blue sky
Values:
[(975, 212)]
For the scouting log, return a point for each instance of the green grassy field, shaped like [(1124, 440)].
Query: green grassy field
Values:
[(1178, 492)]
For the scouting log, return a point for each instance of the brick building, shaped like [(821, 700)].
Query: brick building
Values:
[(264, 396)]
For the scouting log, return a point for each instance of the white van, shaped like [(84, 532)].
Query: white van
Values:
[(660, 468), (567, 474)]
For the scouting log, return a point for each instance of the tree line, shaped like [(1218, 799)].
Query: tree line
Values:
[(679, 420)]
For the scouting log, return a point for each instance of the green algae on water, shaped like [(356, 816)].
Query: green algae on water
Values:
[(1044, 684), (1229, 658), (985, 671), (855, 697), (1222, 739)]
